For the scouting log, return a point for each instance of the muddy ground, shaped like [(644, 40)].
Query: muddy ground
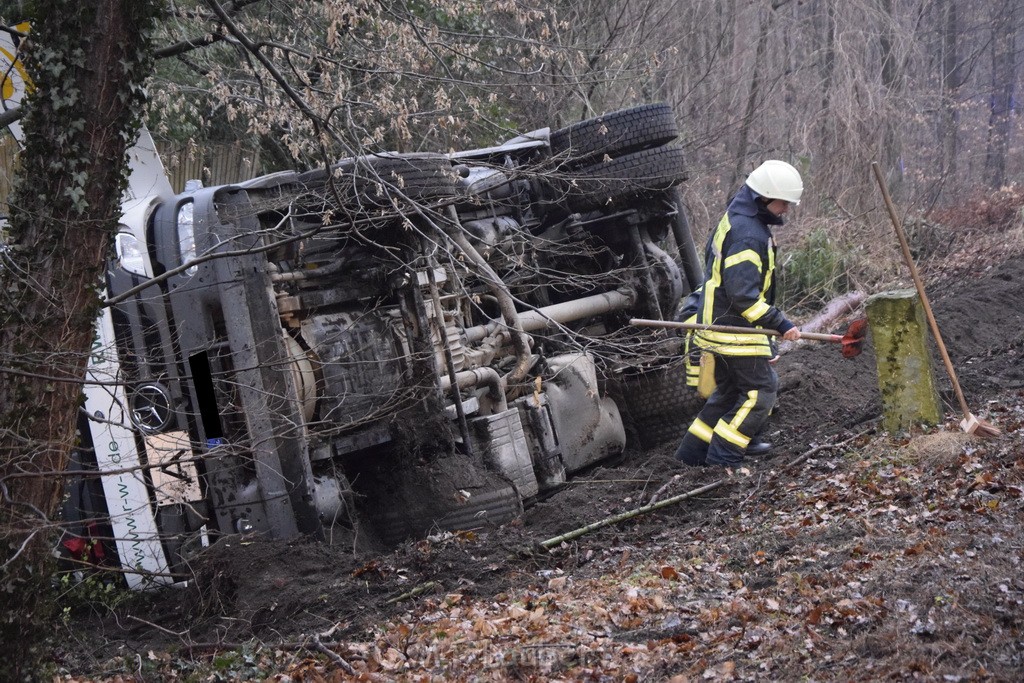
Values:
[(847, 555)]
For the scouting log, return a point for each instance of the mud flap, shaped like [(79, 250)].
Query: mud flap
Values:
[(588, 427)]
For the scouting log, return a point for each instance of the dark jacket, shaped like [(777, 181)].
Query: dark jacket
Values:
[(740, 287)]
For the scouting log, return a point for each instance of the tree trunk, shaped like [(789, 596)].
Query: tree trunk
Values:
[(894, 79), (1004, 82), (952, 79), (753, 100), (88, 61)]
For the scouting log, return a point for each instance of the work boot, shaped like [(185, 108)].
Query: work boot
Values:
[(758, 447), (692, 451)]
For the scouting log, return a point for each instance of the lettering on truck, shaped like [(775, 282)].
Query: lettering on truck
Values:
[(131, 514)]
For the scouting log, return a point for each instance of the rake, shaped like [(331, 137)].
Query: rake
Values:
[(852, 342)]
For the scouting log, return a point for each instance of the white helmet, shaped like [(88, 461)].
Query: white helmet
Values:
[(776, 179)]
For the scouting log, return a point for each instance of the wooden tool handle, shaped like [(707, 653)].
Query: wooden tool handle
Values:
[(816, 336)]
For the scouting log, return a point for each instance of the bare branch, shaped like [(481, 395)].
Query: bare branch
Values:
[(10, 116)]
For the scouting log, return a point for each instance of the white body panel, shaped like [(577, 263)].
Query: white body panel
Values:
[(128, 502)]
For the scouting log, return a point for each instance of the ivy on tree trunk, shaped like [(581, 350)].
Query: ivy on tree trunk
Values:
[(88, 61)]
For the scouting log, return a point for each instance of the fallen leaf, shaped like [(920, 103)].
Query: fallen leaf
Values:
[(484, 627), (517, 612)]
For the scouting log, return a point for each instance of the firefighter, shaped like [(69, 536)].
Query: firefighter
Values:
[(740, 291)]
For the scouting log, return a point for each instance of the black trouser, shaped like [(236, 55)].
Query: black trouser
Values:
[(735, 412)]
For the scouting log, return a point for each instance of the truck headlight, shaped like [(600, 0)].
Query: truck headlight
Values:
[(130, 253), (186, 236)]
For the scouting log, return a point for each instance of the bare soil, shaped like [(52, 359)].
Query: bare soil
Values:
[(847, 555)]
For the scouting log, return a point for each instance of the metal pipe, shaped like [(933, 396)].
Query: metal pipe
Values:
[(692, 265), (295, 275), (470, 379), (556, 314)]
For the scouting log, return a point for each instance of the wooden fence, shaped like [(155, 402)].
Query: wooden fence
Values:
[(214, 164)]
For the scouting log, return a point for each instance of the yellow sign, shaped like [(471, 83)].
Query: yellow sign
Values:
[(14, 80)]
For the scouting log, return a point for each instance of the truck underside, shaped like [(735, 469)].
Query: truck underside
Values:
[(405, 342)]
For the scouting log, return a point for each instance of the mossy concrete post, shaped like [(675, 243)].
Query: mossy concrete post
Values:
[(906, 380)]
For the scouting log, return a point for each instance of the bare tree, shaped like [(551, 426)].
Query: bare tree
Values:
[(1003, 50), (952, 79)]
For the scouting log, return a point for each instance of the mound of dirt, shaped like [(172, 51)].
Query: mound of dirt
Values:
[(821, 393)]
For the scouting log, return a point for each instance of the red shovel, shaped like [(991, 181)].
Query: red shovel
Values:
[(852, 341)]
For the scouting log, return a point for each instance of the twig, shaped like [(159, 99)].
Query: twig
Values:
[(422, 588), (614, 519), (334, 656), (803, 456), (753, 490), (20, 550), (158, 627), (657, 494), (284, 646), (799, 459)]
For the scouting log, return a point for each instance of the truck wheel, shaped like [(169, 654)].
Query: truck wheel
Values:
[(627, 177), (375, 180), (656, 405), (615, 134)]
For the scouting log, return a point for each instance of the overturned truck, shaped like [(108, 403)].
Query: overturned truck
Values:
[(404, 342)]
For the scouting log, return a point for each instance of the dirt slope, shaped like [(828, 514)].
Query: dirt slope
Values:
[(850, 555)]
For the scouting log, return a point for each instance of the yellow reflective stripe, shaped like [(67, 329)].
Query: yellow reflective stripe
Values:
[(701, 430), (745, 255), (715, 276), (752, 351), (708, 338), (757, 310), (763, 351), (731, 435), (745, 409), (768, 277)]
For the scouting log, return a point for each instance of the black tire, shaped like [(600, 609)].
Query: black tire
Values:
[(616, 181), (656, 405), (615, 134), (381, 187), (376, 180)]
